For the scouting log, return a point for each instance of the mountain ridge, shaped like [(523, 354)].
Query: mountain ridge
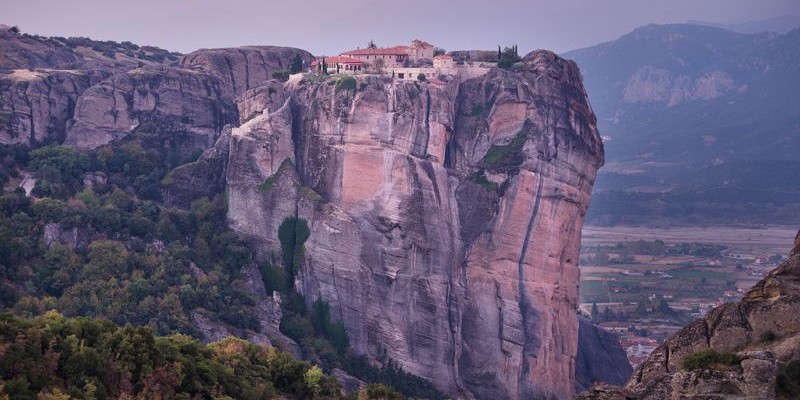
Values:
[(674, 100)]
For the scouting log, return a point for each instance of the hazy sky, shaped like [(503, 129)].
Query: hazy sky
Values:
[(327, 27)]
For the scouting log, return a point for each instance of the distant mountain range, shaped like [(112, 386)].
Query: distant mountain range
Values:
[(782, 24), (674, 103)]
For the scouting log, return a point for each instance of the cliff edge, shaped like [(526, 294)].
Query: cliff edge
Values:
[(445, 219)]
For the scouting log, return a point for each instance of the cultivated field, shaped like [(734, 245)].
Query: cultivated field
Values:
[(646, 283)]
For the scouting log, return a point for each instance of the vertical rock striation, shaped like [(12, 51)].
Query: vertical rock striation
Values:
[(184, 108), (534, 133), (445, 220), (36, 105)]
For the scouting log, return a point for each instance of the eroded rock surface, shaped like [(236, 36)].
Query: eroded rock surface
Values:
[(185, 108), (36, 105), (243, 68), (445, 220), (600, 357), (763, 330)]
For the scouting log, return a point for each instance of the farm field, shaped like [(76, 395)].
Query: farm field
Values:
[(646, 283)]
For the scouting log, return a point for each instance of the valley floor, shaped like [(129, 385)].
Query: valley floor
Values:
[(646, 283)]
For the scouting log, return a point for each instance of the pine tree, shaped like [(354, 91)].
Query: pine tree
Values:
[(296, 65)]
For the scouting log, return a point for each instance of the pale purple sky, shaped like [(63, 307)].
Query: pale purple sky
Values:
[(327, 27)]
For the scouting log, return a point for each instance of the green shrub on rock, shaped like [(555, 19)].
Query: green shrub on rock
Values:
[(709, 359)]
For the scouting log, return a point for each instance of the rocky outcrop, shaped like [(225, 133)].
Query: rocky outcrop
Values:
[(36, 105), (72, 238), (600, 357), (19, 51), (445, 221), (202, 178), (762, 330), (655, 85), (183, 108), (243, 68)]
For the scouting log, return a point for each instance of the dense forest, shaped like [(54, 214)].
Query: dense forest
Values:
[(94, 239), (53, 357)]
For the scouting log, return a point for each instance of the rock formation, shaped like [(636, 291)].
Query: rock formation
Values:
[(600, 357), (445, 221), (36, 105), (184, 107), (762, 331), (42, 79), (243, 68)]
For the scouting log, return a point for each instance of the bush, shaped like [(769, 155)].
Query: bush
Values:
[(787, 383), (379, 391), (281, 75), (292, 233), (481, 179), (507, 156), (422, 78), (709, 359), (346, 83)]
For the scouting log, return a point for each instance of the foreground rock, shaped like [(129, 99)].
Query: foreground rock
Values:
[(762, 331), (600, 357), (445, 220)]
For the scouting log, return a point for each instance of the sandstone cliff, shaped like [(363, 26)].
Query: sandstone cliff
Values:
[(445, 221), (36, 105), (42, 79), (185, 108), (762, 331), (243, 68)]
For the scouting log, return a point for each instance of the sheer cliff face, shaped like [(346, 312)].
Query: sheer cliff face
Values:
[(445, 220), (184, 107), (50, 92)]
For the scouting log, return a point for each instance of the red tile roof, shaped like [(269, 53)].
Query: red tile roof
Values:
[(443, 57), (338, 60), (384, 51)]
